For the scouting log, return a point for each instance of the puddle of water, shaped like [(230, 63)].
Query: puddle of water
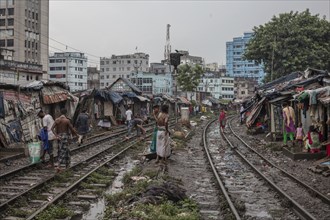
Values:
[(97, 209)]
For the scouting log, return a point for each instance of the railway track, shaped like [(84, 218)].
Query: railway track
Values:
[(246, 188), (20, 183)]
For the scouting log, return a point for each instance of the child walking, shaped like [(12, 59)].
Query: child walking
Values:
[(313, 140), (300, 135)]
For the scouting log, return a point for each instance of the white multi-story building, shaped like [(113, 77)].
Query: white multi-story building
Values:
[(152, 83), (70, 68), (24, 29), (219, 87), (186, 58), (212, 66), (124, 66)]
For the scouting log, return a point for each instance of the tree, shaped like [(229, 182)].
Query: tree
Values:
[(189, 76), (290, 42)]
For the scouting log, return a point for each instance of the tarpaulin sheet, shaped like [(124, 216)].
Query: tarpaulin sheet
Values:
[(184, 100), (2, 106), (169, 98), (142, 99), (108, 96), (130, 94)]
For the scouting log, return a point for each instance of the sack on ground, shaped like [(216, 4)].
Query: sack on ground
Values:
[(34, 151)]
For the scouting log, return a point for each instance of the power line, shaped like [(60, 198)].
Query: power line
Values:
[(14, 36), (63, 43)]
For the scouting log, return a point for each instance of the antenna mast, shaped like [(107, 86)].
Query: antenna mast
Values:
[(167, 51)]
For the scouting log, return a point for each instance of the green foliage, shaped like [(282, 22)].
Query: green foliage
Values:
[(55, 212), (291, 42), (189, 76)]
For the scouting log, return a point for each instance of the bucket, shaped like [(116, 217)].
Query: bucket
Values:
[(34, 151)]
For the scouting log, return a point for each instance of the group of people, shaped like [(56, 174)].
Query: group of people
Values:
[(60, 131), (310, 142)]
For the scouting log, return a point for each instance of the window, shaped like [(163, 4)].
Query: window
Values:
[(128, 68), (2, 43), (102, 69), (37, 47), (128, 61), (107, 76), (102, 84), (10, 11), (10, 22), (114, 76), (107, 69), (32, 15), (102, 62), (2, 12), (10, 2), (102, 77), (2, 22), (107, 62), (113, 62), (10, 42), (127, 76), (114, 69), (242, 92), (50, 61)]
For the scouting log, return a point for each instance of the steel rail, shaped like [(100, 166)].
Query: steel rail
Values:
[(13, 199), (76, 149), (76, 184), (220, 183), (299, 210), (315, 192)]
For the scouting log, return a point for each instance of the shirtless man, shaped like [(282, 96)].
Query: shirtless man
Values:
[(61, 129)]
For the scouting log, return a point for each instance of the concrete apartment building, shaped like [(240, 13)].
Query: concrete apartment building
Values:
[(220, 87), (93, 78), (244, 87), (24, 30), (70, 68), (186, 58), (157, 80), (235, 65), (124, 66)]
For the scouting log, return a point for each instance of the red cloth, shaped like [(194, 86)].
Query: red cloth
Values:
[(222, 116), (328, 150)]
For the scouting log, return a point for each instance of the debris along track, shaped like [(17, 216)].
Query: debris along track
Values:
[(18, 165), (30, 178), (246, 195), (304, 200)]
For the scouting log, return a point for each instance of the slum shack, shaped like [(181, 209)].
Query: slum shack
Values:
[(132, 96), (19, 105)]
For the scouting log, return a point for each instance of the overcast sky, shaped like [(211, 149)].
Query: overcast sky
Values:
[(103, 28)]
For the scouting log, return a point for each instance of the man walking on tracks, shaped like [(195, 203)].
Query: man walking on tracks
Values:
[(47, 124), (82, 125), (62, 128)]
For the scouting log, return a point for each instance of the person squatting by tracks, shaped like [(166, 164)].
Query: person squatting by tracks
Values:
[(62, 128)]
